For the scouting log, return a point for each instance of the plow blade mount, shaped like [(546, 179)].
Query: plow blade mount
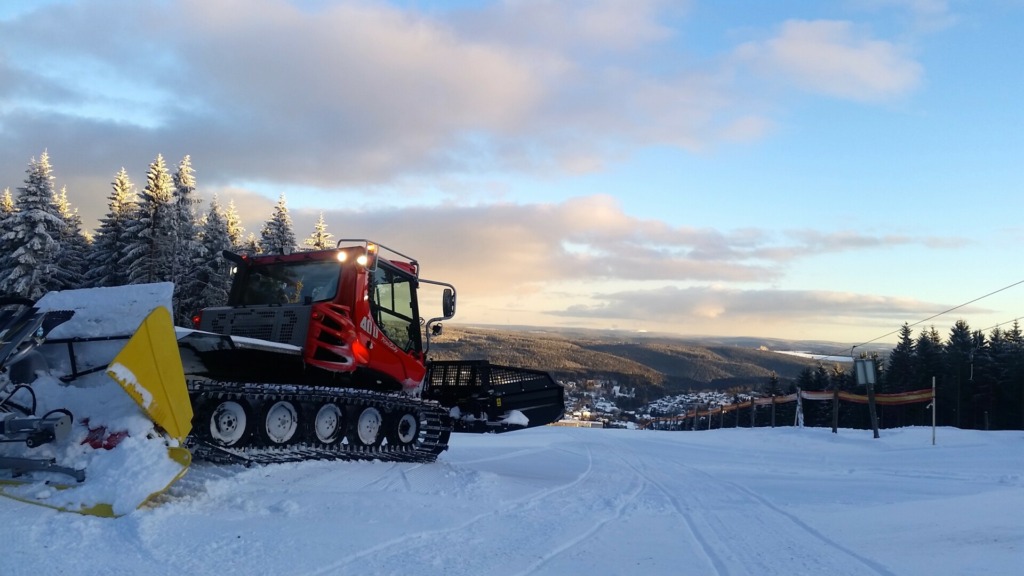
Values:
[(483, 397), (113, 368)]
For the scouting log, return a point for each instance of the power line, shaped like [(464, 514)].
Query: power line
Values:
[(933, 316), (1001, 323)]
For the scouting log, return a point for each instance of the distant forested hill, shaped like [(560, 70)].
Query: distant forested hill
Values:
[(661, 364)]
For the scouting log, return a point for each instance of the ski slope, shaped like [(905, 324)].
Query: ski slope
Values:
[(780, 501)]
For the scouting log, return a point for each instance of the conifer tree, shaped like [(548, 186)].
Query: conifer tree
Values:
[(190, 255), (899, 375), (236, 233), (277, 236), (150, 257), (252, 245), (215, 273), (320, 239), (1003, 374), (959, 355), (772, 387), (34, 231), (6, 203), (7, 210), (928, 358), (1013, 388), (72, 262), (185, 204), (929, 363), (113, 242)]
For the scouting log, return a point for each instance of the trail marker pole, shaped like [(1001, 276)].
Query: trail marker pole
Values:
[(934, 411)]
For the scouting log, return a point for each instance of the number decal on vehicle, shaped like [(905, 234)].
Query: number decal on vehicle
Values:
[(370, 328)]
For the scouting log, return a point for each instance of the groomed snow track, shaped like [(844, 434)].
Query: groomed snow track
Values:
[(218, 435)]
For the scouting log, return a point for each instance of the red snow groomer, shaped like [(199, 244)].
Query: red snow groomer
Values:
[(324, 355)]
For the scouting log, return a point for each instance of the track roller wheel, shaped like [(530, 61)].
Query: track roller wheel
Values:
[(403, 429), (279, 423), (368, 427), (228, 423), (329, 423)]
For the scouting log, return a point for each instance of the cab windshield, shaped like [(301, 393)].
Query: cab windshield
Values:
[(302, 282)]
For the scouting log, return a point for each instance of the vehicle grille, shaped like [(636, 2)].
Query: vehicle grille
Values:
[(284, 324)]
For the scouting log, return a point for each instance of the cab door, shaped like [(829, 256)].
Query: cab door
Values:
[(394, 326)]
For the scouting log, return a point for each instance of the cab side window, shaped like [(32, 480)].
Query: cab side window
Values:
[(392, 302)]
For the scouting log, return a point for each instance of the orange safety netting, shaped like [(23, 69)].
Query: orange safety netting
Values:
[(897, 399)]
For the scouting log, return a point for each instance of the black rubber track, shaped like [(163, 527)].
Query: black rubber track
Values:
[(431, 440)]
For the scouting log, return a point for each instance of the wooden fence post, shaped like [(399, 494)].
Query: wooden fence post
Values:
[(798, 419), (835, 410)]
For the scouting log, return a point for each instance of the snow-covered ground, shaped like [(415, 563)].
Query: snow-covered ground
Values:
[(561, 501)]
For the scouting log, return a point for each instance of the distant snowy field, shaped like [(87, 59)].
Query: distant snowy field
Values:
[(562, 501), (819, 357)]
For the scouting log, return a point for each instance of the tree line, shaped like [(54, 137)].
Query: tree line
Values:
[(156, 234), (978, 377)]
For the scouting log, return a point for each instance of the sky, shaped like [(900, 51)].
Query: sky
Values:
[(787, 169)]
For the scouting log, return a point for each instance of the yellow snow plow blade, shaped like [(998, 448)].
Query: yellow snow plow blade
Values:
[(103, 510), (11, 488), (149, 369)]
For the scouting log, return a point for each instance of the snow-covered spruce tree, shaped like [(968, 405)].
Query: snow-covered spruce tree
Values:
[(76, 247), (190, 255), (112, 243), (6, 203), (34, 232), (7, 210), (235, 230), (277, 236), (150, 256), (251, 245), (215, 272), (320, 239)]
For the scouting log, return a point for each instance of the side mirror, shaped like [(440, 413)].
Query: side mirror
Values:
[(436, 330), (448, 303)]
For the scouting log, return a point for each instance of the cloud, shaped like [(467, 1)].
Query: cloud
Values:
[(576, 26), (354, 93), (736, 307), (350, 94), (835, 58), (336, 95), (506, 247)]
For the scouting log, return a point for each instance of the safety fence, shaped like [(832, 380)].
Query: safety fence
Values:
[(704, 417)]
